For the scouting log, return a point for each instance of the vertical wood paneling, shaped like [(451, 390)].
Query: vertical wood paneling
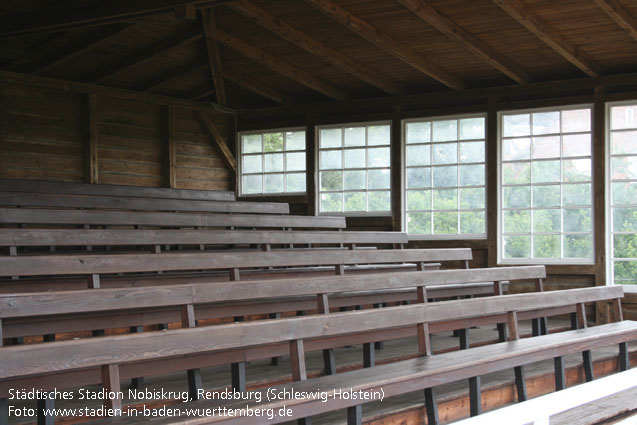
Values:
[(89, 145)]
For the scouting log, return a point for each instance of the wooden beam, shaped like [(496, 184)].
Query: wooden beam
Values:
[(82, 13), (620, 15), (315, 47), (188, 11), (385, 42), (146, 54), (169, 149), (173, 74), (442, 23), (90, 158), (257, 87), (218, 140), (214, 59), (282, 67), (518, 11)]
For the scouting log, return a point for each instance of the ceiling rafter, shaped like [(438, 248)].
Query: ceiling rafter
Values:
[(387, 43), (518, 11), (315, 47), (279, 66), (256, 86), (191, 67), (212, 50), (425, 11), (619, 14)]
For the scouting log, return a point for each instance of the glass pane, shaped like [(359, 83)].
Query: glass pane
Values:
[(252, 164), (331, 180), (624, 219), (516, 149), (378, 179), (472, 222), (516, 221), (444, 131), (445, 223), (472, 152), (331, 202), (273, 162), (330, 137), (251, 143), (625, 246), (445, 153), (295, 161), (577, 194), (546, 171), (625, 272), (624, 193), (418, 200), (354, 158), (516, 173), (273, 142), (516, 197), (419, 223), (273, 183), (623, 117), (418, 177), (516, 125), (578, 246), (622, 142), (576, 145), (517, 246), (576, 120), (379, 201), (331, 160), (577, 220), (546, 246), (546, 147), (472, 198), (546, 196), (354, 179), (378, 135), (251, 184), (546, 122), (295, 141), (445, 199), (378, 157), (624, 168), (355, 136), (471, 128), (418, 155), (418, 132), (577, 170), (295, 182), (546, 221), (471, 175), (446, 176), (355, 201)]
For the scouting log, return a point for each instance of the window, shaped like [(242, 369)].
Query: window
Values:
[(272, 162), (354, 169), (445, 177), (622, 172), (545, 186)]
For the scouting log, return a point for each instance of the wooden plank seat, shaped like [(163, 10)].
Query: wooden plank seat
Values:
[(40, 186), (106, 360), (46, 200)]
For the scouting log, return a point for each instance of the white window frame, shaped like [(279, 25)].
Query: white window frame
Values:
[(610, 263), (317, 153), (500, 240), (403, 188), (263, 173)]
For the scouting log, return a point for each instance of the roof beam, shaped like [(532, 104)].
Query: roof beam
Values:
[(256, 86), (518, 11), (385, 42), (173, 74), (82, 13), (315, 47), (217, 138), (429, 14), (214, 59), (144, 55), (279, 66), (620, 15)]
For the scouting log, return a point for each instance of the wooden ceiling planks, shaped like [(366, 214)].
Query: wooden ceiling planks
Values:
[(621, 15)]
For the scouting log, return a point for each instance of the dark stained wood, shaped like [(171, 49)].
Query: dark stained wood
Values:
[(257, 87), (89, 146), (191, 67), (169, 149), (214, 59), (110, 382), (618, 13), (491, 144), (217, 140), (297, 359)]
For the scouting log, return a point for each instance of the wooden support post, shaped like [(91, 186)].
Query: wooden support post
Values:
[(44, 407), (13, 251), (89, 147), (574, 324), (137, 383), (378, 344), (369, 356), (188, 320), (424, 340), (169, 149), (520, 383), (599, 159), (329, 361), (48, 337), (110, 382), (157, 249), (618, 315), (274, 361), (581, 316), (512, 325), (339, 269), (431, 406), (475, 396), (94, 281), (624, 361), (587, 360), (355, 415), (238, 376), (234, 275), (560, 373), (98, 332), (297, 360)]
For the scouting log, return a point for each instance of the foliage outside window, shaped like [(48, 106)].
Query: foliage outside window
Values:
[(623, 193), (272, 162), (445, 177), (545, 186), (354, 169)]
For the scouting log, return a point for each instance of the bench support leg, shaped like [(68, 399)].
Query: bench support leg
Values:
[(463, 334), (44, 405), (431, 405), (194, 384), (329, 362), (137, 383), (304, 421), (520, 384), (588, 365), (502, 332), (98, 332), (4, 411), (48, 337), (574, 322), (624, 362), (238, 372), (379, 344), (560, 375), (355, 415), (274, 361), (475, 398), (369, 356)]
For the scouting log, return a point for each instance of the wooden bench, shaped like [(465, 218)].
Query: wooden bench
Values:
[(109, 359)]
